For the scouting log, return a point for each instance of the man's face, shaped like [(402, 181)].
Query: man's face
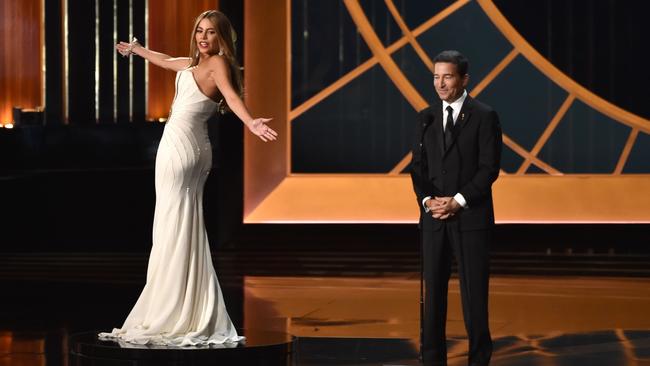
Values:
[(448, 82)]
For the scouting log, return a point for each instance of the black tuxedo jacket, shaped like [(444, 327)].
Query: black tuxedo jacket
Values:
[(468, 166)]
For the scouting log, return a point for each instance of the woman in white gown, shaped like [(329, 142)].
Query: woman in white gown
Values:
[(181, 303)]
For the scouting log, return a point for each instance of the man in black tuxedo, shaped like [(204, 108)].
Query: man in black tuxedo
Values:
[(455, 161)]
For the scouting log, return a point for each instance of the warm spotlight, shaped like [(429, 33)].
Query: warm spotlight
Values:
[(162, 119), (9, 125)]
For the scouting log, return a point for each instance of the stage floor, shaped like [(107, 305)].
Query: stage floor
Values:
[(366, 321), (534, 320)]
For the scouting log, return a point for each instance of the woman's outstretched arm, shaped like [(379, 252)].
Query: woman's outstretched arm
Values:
[(156, 58), (220, 73)]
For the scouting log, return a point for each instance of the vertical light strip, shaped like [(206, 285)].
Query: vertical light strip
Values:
[(146, 64), (96, 61), (130, 62), (66, 114), (43, 58), (114, 62), (288, 78)]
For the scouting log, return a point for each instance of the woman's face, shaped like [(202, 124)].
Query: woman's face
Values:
[(206, 37)]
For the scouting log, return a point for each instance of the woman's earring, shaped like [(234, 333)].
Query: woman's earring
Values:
[(220, 52)]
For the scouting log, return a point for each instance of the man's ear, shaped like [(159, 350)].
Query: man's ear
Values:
[(465, 80)]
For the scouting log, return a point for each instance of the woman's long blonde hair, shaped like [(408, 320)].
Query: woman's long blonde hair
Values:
[(227, 37)]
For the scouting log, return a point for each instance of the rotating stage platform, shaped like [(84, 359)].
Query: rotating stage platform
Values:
[(262, 348)]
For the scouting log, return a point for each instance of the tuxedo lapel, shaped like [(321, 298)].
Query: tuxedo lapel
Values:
[(437, 127)]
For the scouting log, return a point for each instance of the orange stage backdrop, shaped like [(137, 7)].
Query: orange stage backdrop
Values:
[(266, 83), (170, 27), (21, 79)]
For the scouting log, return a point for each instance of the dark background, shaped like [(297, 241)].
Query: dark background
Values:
[(598, 43), (369, 123), (601, 44)]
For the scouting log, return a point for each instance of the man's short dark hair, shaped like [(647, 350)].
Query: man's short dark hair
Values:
[(454, 57)]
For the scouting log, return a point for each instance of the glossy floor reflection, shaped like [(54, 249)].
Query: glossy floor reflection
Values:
[(534, 320), (546, 321)]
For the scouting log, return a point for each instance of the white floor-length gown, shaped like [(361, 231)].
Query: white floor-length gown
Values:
[(181, 303)]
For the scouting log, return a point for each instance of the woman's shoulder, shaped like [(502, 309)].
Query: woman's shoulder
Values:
[(217, 62)]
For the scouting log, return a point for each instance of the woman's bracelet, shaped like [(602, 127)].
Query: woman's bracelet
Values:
[(129, 50)]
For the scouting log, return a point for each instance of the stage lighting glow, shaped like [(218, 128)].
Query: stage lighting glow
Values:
[(162, 119), (9, 125)]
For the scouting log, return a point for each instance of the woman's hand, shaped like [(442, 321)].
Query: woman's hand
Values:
[(258, 126), (126, 49)]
